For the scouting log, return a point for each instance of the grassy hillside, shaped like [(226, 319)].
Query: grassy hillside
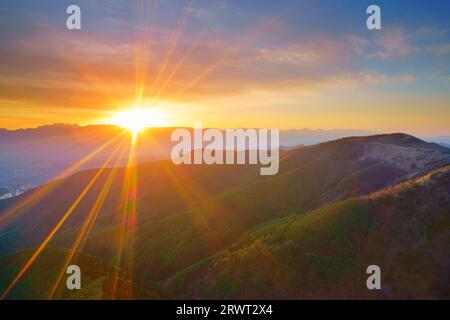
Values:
[(187, 214), (325, 253), (43, 274), (277, 258)]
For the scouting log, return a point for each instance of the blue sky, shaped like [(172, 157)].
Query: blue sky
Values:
[(286, 64)]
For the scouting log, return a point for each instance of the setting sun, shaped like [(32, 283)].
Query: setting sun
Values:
[(137, 119)]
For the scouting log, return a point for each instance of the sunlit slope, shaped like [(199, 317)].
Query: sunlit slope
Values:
[(41, 277), (322, 174), (163, 190), (187, 213), (325, 253)]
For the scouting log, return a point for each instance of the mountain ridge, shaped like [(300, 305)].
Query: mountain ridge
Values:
[(205, 209), (261, 264)]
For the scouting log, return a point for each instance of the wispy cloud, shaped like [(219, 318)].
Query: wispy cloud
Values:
[(238, 53), (385, 45)]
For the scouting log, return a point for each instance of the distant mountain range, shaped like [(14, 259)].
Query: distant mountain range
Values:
[(31, 157), (441, 140), (227, 232)]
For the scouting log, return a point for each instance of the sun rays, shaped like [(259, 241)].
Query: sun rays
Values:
[(134, 120), (87, 225), (56, 228)]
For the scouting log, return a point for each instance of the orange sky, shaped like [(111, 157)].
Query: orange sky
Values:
[(198, 65)]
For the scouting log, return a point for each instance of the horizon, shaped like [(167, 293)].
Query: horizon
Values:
[(365, 132)]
